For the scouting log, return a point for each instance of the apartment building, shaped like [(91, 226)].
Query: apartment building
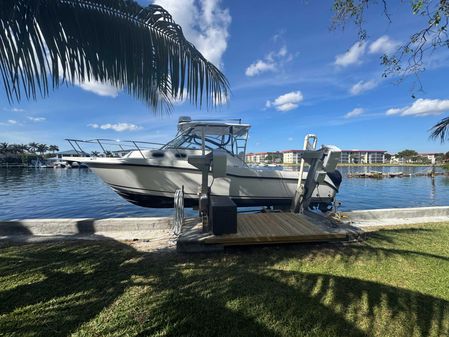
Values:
[(347, 156), (430, 156), (263, 157), (291, 156), (256, 158), (362, 156)]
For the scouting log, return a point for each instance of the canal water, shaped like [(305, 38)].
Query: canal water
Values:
[(53, 193)]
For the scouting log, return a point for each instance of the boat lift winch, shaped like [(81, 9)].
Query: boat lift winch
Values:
[(320, 162)]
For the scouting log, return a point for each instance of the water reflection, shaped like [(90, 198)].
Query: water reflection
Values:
[(53, 193), (361, 193)]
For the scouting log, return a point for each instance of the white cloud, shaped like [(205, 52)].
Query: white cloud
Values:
[(393, 111), (286, 102), (14, 109), (99, 88), (290, 139), (259, 67), (422, 107), (184, 97), (36, 119), (271, 62), (383, 45), (283, 51), (204, 23), (181, 99), (286, 107), (363, 86), (352, 56), (278, 36), (291, 97), (10, 122), (119, 127), (354, 113)]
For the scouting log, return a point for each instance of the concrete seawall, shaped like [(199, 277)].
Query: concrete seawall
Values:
[(397, 216), (119, 228), (153, 227)]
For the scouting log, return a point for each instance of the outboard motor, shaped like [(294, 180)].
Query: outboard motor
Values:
[(336, 178), (324, 207)]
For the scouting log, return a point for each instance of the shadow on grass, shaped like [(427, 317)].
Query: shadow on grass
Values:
[(106, 287)]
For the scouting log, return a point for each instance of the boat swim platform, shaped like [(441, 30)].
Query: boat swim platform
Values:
[(267, 228)]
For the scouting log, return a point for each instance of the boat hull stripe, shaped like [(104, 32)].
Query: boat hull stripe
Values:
[(101, 165), (122, 188)]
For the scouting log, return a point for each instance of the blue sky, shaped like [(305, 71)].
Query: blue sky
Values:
[(290, 75)]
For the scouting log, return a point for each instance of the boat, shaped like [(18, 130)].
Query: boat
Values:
[(42, 164), (60, 164), (150, 177)]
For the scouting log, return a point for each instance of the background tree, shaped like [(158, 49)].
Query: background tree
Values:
[(3, 148), (24, 148), (409, 57), (13, 149), (42, 148), (53, 149), (24, 152), (33, 147), (269, 158), (407, 153), (140, 50)]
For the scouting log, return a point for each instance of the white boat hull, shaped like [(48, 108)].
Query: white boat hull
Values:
[(151, 183)]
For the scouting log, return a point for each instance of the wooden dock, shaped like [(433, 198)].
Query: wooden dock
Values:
[(266, 228)]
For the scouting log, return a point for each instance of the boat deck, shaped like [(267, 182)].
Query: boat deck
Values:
[(266, 228)]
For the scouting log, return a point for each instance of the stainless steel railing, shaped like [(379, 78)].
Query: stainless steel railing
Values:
[(178, 219), (110, 147)]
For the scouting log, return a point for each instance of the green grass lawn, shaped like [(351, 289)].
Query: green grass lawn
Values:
[(394, 284)]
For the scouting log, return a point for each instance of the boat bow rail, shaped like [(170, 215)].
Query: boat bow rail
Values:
[(111, 147)]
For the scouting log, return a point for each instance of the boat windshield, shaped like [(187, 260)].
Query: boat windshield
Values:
[(191, 139)]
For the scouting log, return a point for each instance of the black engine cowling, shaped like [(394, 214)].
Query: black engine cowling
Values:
[(336, 178)]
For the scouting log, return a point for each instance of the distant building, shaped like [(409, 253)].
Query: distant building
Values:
[(256, 158), (249, 157), (430, 156), (291, 156), (362, 156), (71, 153), (347, 156), (395, 159), (420, 158), (263, 157)]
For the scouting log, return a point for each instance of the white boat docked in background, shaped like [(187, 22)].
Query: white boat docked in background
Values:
[(150, 177)]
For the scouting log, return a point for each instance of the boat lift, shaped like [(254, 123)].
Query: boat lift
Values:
[(320, 163), (218, 227)]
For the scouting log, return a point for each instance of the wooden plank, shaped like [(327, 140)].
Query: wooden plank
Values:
[(276, 228)]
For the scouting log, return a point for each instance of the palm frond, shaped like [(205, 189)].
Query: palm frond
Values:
[(440, 130), (46, 43)]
